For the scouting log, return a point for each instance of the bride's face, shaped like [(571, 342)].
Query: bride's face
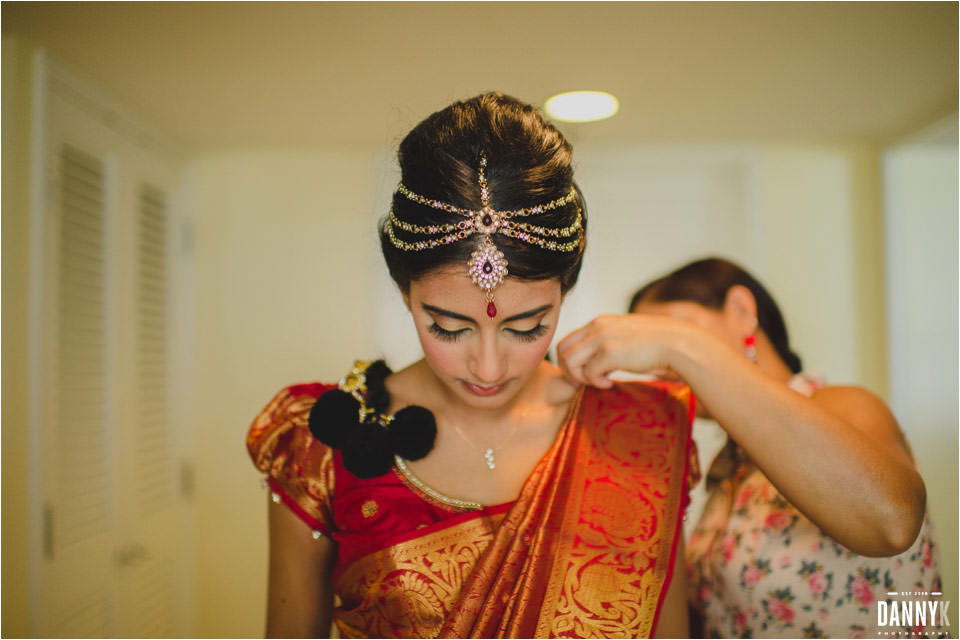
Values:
[(483, 361)]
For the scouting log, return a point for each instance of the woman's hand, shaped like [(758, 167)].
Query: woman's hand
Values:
[(632, 343)]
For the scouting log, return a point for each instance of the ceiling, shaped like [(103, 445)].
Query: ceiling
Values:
[(233, 75)]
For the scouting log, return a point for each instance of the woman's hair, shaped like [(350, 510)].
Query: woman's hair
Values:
[(706, 283), (528, 165)]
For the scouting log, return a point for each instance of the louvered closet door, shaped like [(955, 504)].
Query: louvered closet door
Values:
[(114, 523), (78, 510), (150, 551)]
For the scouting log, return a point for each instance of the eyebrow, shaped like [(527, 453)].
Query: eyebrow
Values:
[(457, 316)]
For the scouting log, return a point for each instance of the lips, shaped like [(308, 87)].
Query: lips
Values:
[(483, 391)]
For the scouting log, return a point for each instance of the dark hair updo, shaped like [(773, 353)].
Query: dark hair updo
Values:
[(528, 164), (706, 283)]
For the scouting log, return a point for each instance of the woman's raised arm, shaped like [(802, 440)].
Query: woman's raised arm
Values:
[(838, 456)]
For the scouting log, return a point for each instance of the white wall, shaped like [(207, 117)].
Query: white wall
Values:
[(817, 216), (920, 209), (797, 216), (651, 209), (281, 246)]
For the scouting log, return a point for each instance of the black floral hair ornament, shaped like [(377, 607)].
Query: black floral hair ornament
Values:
[(353, 419)]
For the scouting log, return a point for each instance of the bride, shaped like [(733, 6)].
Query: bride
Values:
[(477, 492)]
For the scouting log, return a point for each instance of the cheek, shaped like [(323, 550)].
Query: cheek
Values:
[(442, 356), (529, 355), (529, 359)]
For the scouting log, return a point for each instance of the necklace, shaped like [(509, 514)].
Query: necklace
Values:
[(487, 452)]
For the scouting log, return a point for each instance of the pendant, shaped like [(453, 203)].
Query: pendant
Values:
[(488, 458), (487, 266)]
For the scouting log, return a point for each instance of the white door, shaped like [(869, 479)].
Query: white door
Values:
[(111, 556)]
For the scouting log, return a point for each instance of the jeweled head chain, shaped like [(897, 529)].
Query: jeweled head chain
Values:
[(487, 265)]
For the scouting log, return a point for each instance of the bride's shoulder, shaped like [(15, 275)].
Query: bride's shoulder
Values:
[(407, 386), (559, 390)]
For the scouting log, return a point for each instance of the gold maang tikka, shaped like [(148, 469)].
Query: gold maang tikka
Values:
[(487, 266)]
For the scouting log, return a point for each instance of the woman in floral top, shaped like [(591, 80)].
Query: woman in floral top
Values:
[(757, 567), (815, 521)]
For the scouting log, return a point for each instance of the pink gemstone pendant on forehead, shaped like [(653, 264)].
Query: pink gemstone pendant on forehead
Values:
[(488, 268), (487, 264)]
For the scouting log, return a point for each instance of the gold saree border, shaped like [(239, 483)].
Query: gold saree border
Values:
[(559, 617), (428, 569), (568, 560)]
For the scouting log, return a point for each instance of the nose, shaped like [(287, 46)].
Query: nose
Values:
[(487, 362)]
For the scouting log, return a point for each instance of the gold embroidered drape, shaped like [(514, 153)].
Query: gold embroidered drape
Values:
[(586, 550)]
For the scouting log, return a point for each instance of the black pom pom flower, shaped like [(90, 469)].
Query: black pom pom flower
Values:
[(333, 415), (366, 451), (412, 432), (352, 420)]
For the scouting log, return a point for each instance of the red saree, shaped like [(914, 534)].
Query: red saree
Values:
[(586, 550)]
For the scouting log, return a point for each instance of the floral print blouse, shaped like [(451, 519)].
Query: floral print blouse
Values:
[(758, 568)]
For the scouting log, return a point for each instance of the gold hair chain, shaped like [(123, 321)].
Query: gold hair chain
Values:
[(487, 265)]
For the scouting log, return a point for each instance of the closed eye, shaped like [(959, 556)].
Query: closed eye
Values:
[(529, 335), (444, 334)]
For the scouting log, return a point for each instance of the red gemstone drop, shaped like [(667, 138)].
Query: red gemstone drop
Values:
[(491, 309), (487, 220), (487, 267)]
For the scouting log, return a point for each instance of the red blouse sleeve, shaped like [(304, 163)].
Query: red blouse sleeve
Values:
[(298, 467)]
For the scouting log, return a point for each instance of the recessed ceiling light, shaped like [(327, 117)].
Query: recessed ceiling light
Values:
[(582, 106)]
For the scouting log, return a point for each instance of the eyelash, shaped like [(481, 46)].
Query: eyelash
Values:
[(530, 335), (452, 336), (443, 334)]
